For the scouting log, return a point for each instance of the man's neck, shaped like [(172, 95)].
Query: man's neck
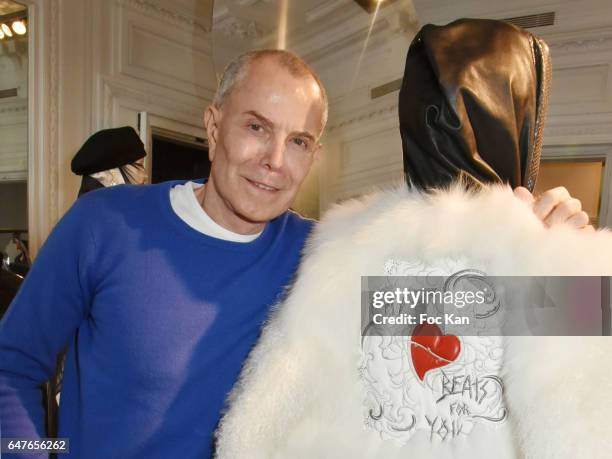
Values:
[(212, 207)]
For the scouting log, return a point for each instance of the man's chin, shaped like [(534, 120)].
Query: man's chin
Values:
[(260, 218)]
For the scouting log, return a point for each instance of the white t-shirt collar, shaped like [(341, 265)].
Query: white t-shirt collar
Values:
[(186, 206)]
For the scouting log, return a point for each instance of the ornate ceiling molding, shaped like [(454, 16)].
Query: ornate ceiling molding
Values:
[(580, 40), (17, 176), (551, 130), (183, 109), (577, 130), (368, 115), (587, 44), (251, 2), (156, 8), (14, 109), (321, 11), (235, 28)]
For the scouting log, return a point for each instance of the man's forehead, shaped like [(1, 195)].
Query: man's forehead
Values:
[(265, 91), (267, 71)]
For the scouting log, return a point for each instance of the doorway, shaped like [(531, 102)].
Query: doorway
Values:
[(174, 159)]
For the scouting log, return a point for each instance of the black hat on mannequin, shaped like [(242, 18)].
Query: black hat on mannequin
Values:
[(110, 157), (108, 149)]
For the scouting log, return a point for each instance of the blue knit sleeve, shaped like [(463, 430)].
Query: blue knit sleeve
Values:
[(49, 307)]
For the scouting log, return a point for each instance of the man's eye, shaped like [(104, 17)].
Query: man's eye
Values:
[(300, 143), (255, 127)]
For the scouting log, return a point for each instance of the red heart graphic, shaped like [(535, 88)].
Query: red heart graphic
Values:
[(432, 349)]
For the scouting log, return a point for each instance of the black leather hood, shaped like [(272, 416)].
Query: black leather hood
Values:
[(472, 104)]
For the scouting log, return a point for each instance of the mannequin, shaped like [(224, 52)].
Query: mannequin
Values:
[(110, 157)]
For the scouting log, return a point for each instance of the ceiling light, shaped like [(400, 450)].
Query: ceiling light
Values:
[(371, 5), (7, 31), (19, 27)]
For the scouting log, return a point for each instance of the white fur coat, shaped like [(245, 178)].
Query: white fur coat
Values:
[(304, 390)]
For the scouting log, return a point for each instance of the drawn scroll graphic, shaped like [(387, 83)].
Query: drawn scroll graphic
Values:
[(431, 349)]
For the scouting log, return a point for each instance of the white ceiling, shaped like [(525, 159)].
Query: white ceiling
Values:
[(258, 20), (312, 27)]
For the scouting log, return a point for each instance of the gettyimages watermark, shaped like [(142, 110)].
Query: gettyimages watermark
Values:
[(470, 303)]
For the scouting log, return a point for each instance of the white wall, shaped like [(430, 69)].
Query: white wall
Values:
[(14, 109), (97, 63), (127, 56)]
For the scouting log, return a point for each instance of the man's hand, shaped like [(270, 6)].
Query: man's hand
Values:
[(556, 206)]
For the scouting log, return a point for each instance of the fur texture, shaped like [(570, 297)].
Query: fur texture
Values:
[(299, 394)]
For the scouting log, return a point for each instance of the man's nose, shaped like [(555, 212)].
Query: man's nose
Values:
[(275, 154)]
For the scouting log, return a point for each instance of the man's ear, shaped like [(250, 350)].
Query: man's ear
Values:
[(211, 123), (317, 152)]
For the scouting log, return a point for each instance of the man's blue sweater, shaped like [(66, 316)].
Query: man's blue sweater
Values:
[(158, 319)]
